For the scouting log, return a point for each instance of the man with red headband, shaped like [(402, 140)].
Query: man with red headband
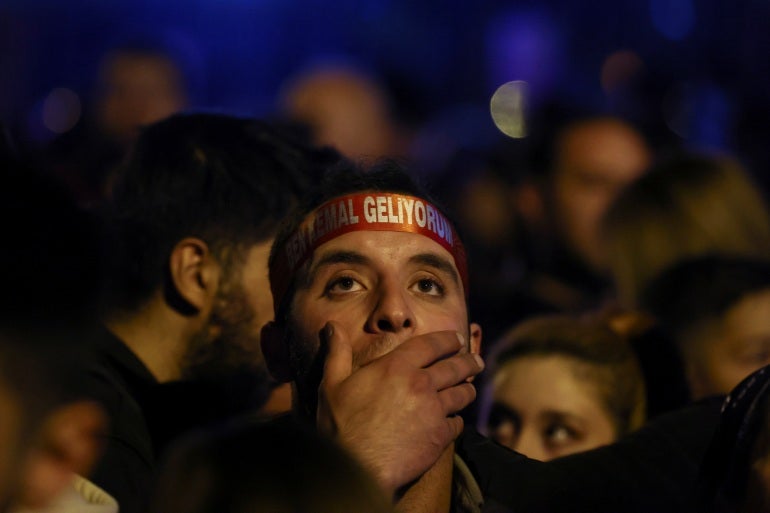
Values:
[(371, 324), (369, 287)]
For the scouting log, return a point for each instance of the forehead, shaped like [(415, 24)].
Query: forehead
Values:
[(384, 248), (547, 382)]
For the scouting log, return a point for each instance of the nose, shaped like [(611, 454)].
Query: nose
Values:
[(530, 444), (392, 313)]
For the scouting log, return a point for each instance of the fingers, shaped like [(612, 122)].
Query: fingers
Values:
[(454, 399), (339, 360), (455, 369), (425, 349)]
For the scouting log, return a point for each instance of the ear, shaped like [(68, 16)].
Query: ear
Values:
[(276, 352), (70, 442), (475, 342), (194, 273)]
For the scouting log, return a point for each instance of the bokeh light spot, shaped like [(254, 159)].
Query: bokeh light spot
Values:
[(61, 110), (508, 108)]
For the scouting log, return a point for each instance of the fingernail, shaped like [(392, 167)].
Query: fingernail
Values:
[(461, 339), (478, 360)]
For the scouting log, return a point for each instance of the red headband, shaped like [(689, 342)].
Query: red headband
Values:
[(372, 211)]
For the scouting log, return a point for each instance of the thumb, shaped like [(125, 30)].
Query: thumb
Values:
[(339, 360), (337, 368)]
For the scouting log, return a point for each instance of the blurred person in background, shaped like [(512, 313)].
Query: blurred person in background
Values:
[(49, 437), (735, 473), (584, 163), (137, 84), (280, 467), (562, 385), (717, 311), (499, 211), (191, 222), (537, 210), (346, 109), (688, 205), (666, 387)]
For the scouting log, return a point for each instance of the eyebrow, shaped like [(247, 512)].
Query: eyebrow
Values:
[(437, 262), (337, 257), (562, 416)]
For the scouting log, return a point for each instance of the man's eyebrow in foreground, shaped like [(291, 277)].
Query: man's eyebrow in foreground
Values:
[(437, 262), (338, 257)]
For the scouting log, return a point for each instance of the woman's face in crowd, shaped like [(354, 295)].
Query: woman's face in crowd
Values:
[(738, 347), (543, 409)]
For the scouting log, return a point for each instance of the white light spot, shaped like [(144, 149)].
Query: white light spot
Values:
[(508, 108)]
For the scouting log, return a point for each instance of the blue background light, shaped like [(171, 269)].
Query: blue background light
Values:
[(434, 54)]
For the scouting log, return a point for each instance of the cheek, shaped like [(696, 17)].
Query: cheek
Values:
[(725, 369), (449, 315), (602, 432), (728, 373), (447, 323)]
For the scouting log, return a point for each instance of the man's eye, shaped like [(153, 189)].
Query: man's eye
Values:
[(343, 284), (429, 287)]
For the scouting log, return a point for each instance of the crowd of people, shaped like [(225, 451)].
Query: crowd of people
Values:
[(210, 313)]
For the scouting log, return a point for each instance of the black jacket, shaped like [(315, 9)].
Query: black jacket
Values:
[(122, 384), (653, 470)]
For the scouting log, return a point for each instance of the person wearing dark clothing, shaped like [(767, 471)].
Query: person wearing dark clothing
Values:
[(138, 83), (281, 465), (49, 268), (715, 308), (651, 470), (734, 475), (662, 368), (189, 227), (121, 383), (369, 281), (585, 161)]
